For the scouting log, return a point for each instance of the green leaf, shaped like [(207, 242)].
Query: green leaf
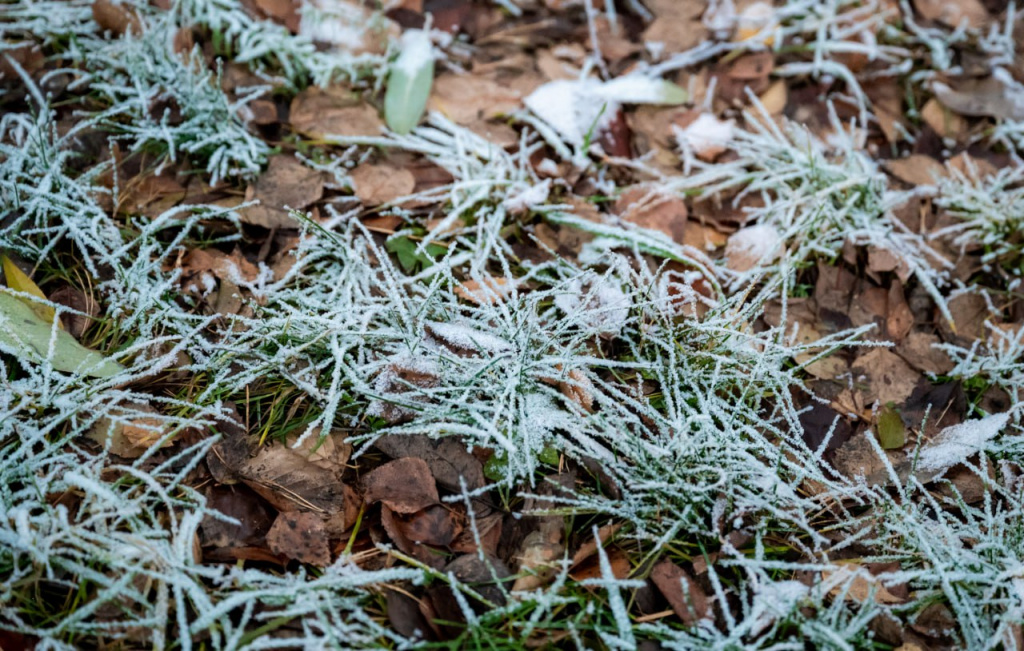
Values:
[(409, 82), (409, 257), (892, 434), (22, 328), (496, 467)]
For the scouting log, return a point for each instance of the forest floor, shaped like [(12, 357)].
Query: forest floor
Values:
[(520, 324)]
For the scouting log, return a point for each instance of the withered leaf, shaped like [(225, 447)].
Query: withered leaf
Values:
[(447, 458), (287, 184), (683, 594), (404, 485), (334, 111), (300, 536), (377, 184)]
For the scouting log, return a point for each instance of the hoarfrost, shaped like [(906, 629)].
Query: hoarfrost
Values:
[(955, 444)]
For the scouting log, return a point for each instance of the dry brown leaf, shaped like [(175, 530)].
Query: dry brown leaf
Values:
[(676, 27), (377, 184), (916, 169), (684, 595), (404, 485), (284, 12), (129, 437), (336, 110), (591, 567), (286, 183), (988, 97), (469, 98), (589, 548), (860, 587), (888, 377), (485, 292), (78, 301), (435, 525), (918, 349), (648, 207), (116, 17), (943, 121), (969, 12), (899, 319), (301, 537), (752, 246)]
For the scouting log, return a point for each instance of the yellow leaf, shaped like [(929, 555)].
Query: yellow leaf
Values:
[(20, 282)]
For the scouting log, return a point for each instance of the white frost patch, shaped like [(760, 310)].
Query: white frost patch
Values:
[(466, 337), (706, 137), (337, 23), (752, 246), (527, 198), (574, 108), (604, 307), (417, 52), (955, 444)]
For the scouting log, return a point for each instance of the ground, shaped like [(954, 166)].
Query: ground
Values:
[(519, 324)]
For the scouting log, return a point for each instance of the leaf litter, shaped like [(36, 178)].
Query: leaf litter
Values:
[(687, 323)]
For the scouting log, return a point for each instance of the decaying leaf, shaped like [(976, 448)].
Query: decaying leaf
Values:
[(300, 536), (287, 184), (683, 594), (333, 111), (377, 184), (404, 485), (854, 583)]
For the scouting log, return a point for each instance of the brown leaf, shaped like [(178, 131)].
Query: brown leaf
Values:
[(80, 302), (649, 207), (918, 349), (488, 291), (404, 485), (287, 183), (435, 525), (970, 12), (677, 25), (589, 548), (377, 184), (116, 17), (888, 377), (243, 505), (467, 99), (942, 120), (284, 12), (899, 319), (300, 536), (916, 169), (683, 594), (333, 111), (591, 567), (856, 584), (447, 458)]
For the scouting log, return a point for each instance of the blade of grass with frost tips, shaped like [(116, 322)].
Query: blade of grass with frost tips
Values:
[(22, 328), (409, 82), (645, 241)]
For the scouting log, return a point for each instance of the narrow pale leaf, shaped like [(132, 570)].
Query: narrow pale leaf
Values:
[(19, 281), (409, 82), (22, 328)]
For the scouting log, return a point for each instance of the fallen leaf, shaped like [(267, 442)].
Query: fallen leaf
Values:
[(854, 583), (648, 207), (916, 169), (676, 27), (892, 433), (918, 349), (300, 536), (240, 503), (21, 328), (129, 431), (436, 525), (753, 246), (684, 595), (481, 574), (19, 281), (409, 82), (378, 184), (116, 17), (287, 184), (955, 444), (970, 13), (995, 97), (487, 291), (447, 458), (888, 377), (85, 307), (333, 111), (347, 26), (404, 485), (942, 120)]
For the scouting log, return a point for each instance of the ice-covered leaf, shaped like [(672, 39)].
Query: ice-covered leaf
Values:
[(409, 82), (23, 329), (955, 444)]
